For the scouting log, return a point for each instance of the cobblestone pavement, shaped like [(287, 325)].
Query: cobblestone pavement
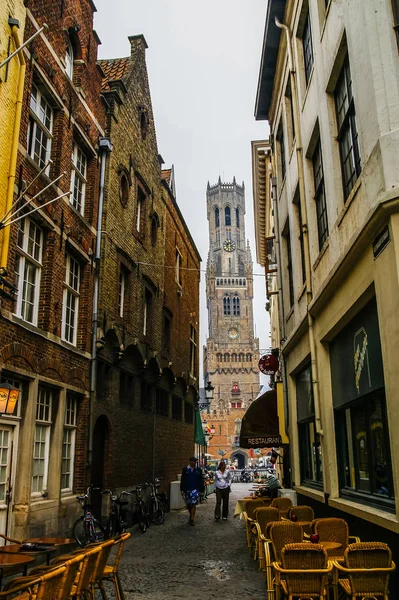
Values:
[(175, 560)]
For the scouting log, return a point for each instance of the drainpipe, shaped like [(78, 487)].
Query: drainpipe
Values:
[(300, 161), (105, 148), (14, 23)]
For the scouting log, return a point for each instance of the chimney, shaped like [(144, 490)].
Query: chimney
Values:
[(138, 45)]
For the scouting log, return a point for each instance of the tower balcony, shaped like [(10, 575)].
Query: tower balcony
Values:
[(231, 282)]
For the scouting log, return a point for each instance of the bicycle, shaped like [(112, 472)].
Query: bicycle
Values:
[(117, 520), (142, 516), (157, 512), (87, 529)]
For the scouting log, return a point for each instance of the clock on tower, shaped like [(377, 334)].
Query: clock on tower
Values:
[(229, 245)]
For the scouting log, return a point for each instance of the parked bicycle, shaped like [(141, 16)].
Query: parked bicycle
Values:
[(87, 528), (141, 513), (118, 518), (157, 501)]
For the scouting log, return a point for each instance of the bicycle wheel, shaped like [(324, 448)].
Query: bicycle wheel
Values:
[(140, 518), (157, 514), (87, 532)]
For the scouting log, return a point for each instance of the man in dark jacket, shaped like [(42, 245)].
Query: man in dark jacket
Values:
[(191, 484)]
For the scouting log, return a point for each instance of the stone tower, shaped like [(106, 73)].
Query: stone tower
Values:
[(232, 352)]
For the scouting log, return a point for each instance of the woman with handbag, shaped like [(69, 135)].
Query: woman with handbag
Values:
[(223, 479)]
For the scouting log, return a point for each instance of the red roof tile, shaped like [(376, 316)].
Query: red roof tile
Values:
[(114, 69)]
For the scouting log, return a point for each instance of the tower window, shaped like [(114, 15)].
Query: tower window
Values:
[(236, 307), (217, 217), (227, 216), (237, 217), (226, 306)]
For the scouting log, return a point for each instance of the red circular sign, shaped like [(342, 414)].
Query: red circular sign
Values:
[(268, 364)]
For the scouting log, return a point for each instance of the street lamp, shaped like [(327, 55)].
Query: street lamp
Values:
[(208, 397), (8, 398)]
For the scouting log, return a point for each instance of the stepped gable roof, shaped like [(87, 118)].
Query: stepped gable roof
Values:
[(166, 175), (114, 69)]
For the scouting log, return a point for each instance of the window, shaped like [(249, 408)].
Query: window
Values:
[(301, 241), (69, 59), (147, 312), (68, 443), (177, 408), (143, 125), (188, 413), (193, 351), (226, 306), (307, 48), (41, 446), (140, 210), (162, 402), (122, 290), (236, 306), (126, 388), (227, 216), (146, 396), (179, 265), (280, 139), (320, 196), (310, 455), (70, 303), (249, 358), (123, 189), (237, 217), (235, 389), (78, 178), (347, 130), (40, 128), (28, 268), (217, 217), (290, 112), (289, 264), (364, 448)]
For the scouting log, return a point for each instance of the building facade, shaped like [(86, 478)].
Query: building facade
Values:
[(232, 351), (45, 348), (146, 382), (328, 86)]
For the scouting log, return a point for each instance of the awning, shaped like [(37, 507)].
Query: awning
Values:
[(260, 427)]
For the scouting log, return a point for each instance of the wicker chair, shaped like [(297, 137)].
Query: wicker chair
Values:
[(263, 516), (302, 514), (303, 572), (279, 533), (249, 516), (332, 530), (365, 572), (283, 505), (72, 564), (111, 571), (45, 587)]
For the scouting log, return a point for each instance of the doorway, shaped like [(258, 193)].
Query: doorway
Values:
[(241, 459), (6, 450)]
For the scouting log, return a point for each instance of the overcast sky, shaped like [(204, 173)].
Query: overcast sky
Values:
[(203, 64)]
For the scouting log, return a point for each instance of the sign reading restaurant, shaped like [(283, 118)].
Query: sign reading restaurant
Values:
[(264, 442)]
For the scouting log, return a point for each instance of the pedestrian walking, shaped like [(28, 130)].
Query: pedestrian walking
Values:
[(223, 478), (191, 485)]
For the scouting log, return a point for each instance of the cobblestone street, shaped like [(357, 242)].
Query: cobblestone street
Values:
[(175, 560)]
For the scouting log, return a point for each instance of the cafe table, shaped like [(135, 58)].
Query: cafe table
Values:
[(330, 546), (14, 561), (34, 550)]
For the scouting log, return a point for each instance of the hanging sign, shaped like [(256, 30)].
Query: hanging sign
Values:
[(268, 364)]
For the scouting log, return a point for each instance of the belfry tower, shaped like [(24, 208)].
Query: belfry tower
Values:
[(232, 352)]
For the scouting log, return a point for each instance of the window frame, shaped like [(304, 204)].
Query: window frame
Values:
[(36, 122), (179, 267), (217, 217), (307, 42), (347, 129), (227, 216), (43, 424), (122, 287), (78, 178), (69, 59), (280, 140), (147, 311), (25, 257), (308, 449), (193, 351), (226, 305), (70, 427), (320, 195), (71, 292)]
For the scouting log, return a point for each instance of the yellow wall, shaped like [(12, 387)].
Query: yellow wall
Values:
[(8, 90)]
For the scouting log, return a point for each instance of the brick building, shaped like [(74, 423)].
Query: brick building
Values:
[(232, 351), (45, 333), (147, 381)]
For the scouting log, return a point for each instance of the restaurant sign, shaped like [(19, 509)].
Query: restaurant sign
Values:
[(269, 441), (268, 364)]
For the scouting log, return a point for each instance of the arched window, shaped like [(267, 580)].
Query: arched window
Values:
[(219, 357), (226, 358), (234, 357), (237, 217), (227, 216), (241, 357), (217, 220), (236, 306), (249, 357), (69, 57), (226, 306)]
